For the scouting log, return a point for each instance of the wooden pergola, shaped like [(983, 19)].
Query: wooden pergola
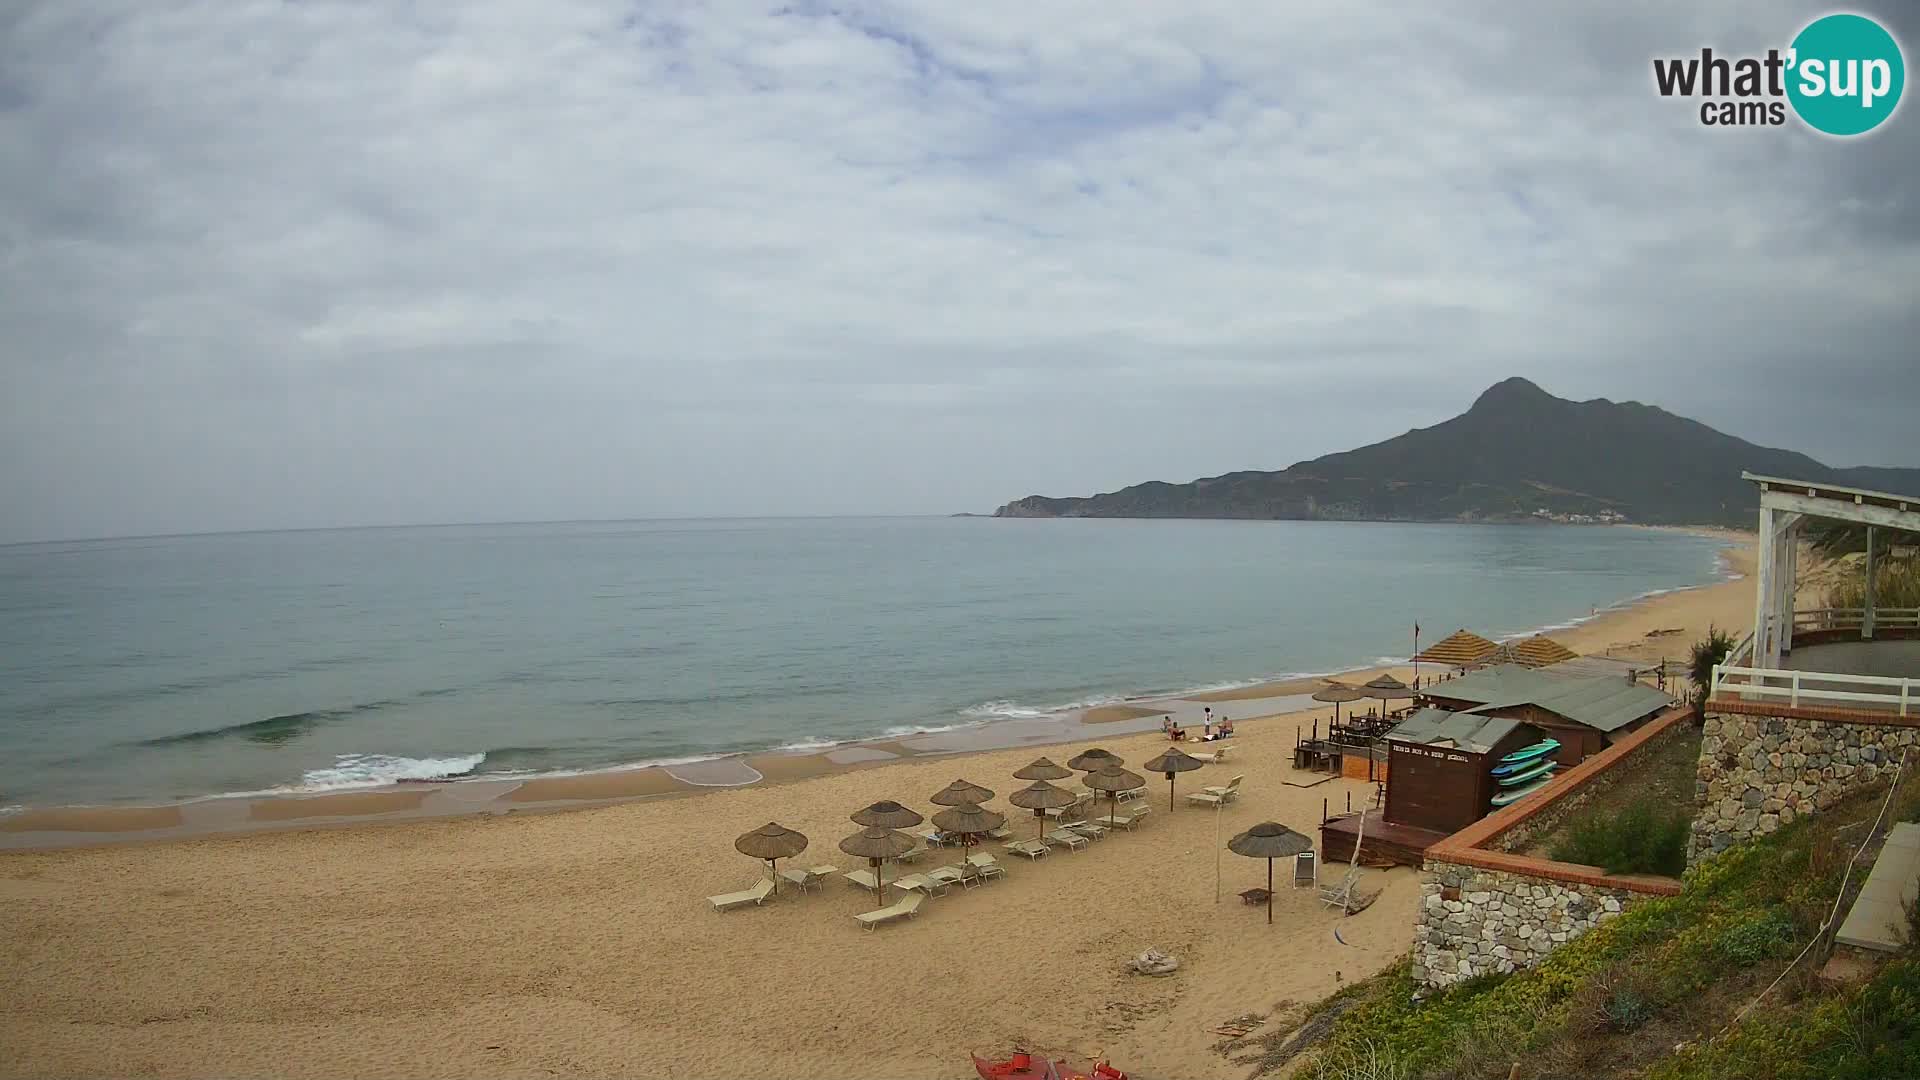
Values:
[(1785, 506)]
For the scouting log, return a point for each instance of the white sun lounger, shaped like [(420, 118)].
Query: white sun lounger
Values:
[(903, 908), (1214, 757), (1214, 796), (1092, 830), (986, 865), (756, 895), (1032, 849), (926, 883), (1131, 818), (1067, 838)]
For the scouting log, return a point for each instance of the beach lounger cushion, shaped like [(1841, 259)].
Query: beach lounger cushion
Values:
[(756, 895)]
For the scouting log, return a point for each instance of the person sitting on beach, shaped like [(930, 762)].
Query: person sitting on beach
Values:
[(1226, 727), (1176, 733), (1166, 724)]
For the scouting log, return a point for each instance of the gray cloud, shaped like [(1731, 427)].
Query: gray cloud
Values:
[(329, 263)]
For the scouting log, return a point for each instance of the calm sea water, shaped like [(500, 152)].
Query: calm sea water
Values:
[(184, 666)]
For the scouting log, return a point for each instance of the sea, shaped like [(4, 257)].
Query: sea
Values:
[(184, 667)]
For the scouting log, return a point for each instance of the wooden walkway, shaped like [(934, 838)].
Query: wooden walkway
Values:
[(1385, 841)]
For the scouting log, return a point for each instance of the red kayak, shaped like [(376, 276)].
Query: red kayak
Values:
[(1025, 1066)]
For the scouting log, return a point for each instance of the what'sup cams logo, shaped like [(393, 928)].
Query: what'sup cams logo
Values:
[(1842, 75)]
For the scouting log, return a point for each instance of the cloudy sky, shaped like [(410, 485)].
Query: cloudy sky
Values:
[(312, 263)]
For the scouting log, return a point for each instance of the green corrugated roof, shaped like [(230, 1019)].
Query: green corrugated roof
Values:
[(1465, 730), (1603, 703)]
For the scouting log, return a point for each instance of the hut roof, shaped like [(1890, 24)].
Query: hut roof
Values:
[(1472, 732), (1604, 703), (1462, 648)]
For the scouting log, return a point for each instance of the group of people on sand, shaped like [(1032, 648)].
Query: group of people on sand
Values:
[(1210, 730)]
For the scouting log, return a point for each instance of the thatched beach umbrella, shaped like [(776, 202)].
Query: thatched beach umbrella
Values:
[(1174, 760), (1269, 840), (1337, 693), (886, 814), (772, 841), (968, 820), (877, 845), (958, 793), (1113, 780), (1386, 688), (1094, 759), (1041, 769), (1041, 797)]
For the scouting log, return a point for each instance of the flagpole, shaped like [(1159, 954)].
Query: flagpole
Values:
[(1416, 656)]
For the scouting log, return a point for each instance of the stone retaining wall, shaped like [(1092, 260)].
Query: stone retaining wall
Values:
[(1758, 773), (1475, 922)]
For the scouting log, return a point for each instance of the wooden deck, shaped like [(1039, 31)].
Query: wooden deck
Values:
[(1385, 842)]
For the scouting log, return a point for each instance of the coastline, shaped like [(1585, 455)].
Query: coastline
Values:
[(505, 940), (1620, 630)]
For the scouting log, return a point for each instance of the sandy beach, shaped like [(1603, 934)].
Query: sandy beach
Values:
[(508, 942)]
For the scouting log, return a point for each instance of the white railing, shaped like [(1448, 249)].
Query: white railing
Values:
[(1854, 618), (1804, 687), (1741, 652)]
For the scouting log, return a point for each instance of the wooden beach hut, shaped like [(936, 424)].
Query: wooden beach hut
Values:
[(1441, 763)]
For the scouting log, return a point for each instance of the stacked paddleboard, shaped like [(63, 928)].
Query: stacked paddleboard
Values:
[(1524, 771)]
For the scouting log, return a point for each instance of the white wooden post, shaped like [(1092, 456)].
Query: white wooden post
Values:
[(1788, 586), (1866, 617), (1763, 589)]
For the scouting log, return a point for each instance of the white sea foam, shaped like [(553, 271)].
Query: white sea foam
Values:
[(378, 770)]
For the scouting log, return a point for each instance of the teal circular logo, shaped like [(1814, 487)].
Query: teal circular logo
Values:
[(1845, 74)]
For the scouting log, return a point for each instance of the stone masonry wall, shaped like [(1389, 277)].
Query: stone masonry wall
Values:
[(1480, 922), (1758, 773)]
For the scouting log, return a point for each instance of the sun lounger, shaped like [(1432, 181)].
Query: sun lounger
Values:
[(862, 879), (918, 850), (1136, 795), (986, 865), (1128, 820), (801, 879), (1032, 849), (921, 882), (1092, 830), (948, 875), (1217, 755), (1229, 790), (756, 895), (903, 908), (1067, 838), (1000, 833), (1214, 796)]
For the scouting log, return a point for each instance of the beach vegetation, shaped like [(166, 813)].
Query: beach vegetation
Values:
[(1706, 653), (1644, 838), (1655, 992)]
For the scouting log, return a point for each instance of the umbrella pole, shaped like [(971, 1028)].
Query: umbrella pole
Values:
[(1269, 892), (773, 869), (1169, 793), (1216, 850), (879, 886)]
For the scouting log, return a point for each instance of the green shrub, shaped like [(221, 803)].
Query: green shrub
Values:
[(1645, 838), (1755, 939)]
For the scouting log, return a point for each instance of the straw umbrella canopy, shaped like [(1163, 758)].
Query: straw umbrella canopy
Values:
[(1113, 780), (1174, 760), (772, 841), (886, 814), (877, 845), (1041, 797), (1337, 693), (960, 792), (1269, 840), (1093, 760), (968, 820), (1041, 769), (1386, 688)]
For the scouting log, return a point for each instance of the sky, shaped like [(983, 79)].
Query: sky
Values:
[(307, 264)]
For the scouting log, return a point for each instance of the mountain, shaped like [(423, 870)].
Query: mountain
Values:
[(1518, 450)]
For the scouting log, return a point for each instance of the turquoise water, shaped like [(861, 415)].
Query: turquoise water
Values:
[(184, 666)]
